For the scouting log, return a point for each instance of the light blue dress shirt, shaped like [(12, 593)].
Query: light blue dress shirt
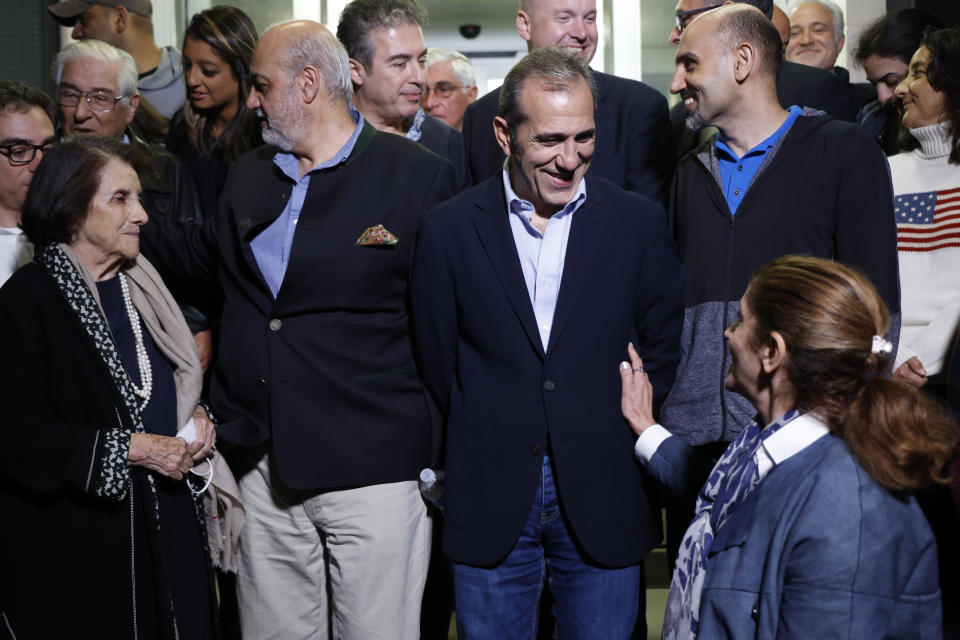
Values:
[(738, 173), (542, 255), (271, 247)]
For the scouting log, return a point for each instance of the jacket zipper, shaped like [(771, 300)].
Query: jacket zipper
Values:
[(723, 340)]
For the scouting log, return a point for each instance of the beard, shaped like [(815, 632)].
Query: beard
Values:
[(694, 121), (279, 129)]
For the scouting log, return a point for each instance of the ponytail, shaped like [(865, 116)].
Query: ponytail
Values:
[(829, 315), (900, 435)]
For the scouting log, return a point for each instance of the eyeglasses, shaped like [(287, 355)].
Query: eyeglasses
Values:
[(23, 153), (683, 18), (98, 100), (442, 89)]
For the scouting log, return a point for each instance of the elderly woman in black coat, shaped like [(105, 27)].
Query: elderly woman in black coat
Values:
[(102, 536)]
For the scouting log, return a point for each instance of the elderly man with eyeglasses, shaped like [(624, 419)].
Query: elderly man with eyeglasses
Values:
[(451, 86), (97, 95), (26, 133)]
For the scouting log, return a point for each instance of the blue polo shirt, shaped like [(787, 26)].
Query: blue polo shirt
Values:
[(737, 173)]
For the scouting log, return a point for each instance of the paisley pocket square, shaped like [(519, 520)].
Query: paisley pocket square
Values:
[(377, 236)]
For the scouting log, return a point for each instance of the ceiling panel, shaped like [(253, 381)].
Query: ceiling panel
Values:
[(489, 14)]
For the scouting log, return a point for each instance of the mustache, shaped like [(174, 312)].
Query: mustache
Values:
[(687, 93)]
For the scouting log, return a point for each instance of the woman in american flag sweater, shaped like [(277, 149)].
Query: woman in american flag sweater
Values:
[(926, 186)]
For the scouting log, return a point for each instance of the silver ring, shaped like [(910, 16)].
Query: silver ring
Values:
[(639, 369)]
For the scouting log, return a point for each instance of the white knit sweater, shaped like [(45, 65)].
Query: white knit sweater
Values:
[(927, 192)]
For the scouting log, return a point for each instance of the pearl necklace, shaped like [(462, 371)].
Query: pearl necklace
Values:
[(143, 360)]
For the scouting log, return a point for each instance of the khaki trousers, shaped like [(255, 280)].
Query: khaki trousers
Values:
[(347, 564)]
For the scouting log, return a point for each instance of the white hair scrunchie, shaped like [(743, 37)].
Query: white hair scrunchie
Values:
[(881, 345)]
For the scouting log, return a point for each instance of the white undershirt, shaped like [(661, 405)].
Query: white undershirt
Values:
[(15, 251)]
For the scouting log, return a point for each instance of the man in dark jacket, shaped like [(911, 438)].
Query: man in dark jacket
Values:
[(526, 290), (388, 69), (797, 84), (771, 182), (633, 129), (315, 385)]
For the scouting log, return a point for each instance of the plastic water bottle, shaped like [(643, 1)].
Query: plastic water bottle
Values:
[(432, 489)]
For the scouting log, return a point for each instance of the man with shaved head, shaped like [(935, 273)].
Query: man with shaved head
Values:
[(796, 83), (316, 385), (633, 130), (772, 181)]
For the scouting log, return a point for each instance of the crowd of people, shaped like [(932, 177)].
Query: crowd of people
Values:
[(251, 288)]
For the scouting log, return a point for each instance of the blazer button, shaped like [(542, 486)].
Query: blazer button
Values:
[(535, 449), (755, 612), (549, 385), (261, 383), (275, 324), (245, 223)]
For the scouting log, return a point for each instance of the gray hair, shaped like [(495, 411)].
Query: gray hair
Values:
[(458, 62), (553, 70), (830, 6), (319, 49), (360, 17), (126, 67)]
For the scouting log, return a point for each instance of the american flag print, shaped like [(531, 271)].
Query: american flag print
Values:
[(928, 221)]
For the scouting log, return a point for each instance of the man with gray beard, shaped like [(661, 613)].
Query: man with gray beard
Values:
[(316, 387)]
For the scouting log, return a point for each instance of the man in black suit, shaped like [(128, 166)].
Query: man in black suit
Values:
[(525, 291), (633, 132), (316, 387), (388, 68)]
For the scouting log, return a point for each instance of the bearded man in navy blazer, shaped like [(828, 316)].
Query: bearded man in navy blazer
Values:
[(526, 290)]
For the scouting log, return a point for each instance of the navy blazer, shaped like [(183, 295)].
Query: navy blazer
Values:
[(634, 145), (507, 400), (325, 371), (445, 141)]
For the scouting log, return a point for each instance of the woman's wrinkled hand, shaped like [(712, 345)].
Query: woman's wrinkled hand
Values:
[(636, 395), (202, 447), (163, 454)]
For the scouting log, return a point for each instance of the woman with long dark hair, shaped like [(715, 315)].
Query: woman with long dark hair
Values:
[(805, 527), (214, 126)]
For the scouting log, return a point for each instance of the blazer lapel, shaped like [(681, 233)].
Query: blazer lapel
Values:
[(251, 220), (493, 228), (585, 234)]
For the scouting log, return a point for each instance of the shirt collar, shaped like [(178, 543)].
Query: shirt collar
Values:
[(792, 114), (288, 163), (791, 439), (415, 133), (519, 206)]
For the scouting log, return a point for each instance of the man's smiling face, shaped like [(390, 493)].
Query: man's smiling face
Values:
[(568, 24)]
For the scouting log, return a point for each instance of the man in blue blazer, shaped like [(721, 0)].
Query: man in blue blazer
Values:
[(525, 292), (635, 147)]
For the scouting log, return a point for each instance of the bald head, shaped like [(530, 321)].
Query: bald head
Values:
[(735, 24), (301, 43)]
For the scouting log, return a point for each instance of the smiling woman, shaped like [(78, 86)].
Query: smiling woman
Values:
[(214, 126), (805, 526)]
